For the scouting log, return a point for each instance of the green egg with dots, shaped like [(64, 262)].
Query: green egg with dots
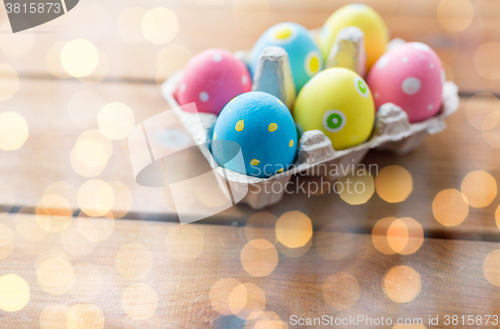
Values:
[(338, 102), (264, 130)]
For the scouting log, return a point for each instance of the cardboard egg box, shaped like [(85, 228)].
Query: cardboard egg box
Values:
[(392, 131)]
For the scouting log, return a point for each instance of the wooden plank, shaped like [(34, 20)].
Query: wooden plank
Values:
[(440, 163), (202, 27), (144, 262)]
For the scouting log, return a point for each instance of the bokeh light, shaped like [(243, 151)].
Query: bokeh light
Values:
[(7, 241), (96, 229), (15, 45), (455, 15), (54, 213), (170, 59), (85, 316), (334, 242), (487, 60), (160, 25), (261, 225), (341, 290), (129, 25), (14, 130), (100, 72), (54, 316), (491, 268), (294, 252), (480, 188), (9, 82), (294, 229), (14, 293), (402, 284), (450, 207), (75, 243), (251, 14), (53, 61), (123, 199), (266, 320), (259, 257), (134, 261), (55, 276), (415, 236), (140, 301), (184, 242), (497, 217), (486, 12), (480, 110), (79, 58), (116, 120), (356, 189), (394, 184), (379, 235), (219, 295), (247, 301), (91, 153), (95, 198), (27, 227)]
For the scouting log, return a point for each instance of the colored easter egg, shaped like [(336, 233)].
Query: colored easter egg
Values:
[(303, 53), (338, 102), (363, 17), (211, 79), (412, 77), (263, 128)]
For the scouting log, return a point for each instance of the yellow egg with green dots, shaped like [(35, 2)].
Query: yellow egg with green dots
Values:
[(363, 17), (338, 102)]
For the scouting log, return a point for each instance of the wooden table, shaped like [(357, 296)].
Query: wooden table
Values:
[(132, 265)]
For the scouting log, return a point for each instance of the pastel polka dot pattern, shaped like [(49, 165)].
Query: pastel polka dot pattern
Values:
[(304, 55), (264, 130), (411, 77), (211, 79)]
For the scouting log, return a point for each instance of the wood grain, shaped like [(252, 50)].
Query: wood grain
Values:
[(451, 272)]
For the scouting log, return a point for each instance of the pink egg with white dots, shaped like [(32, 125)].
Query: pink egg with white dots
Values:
[(410, 76), (211, 79)]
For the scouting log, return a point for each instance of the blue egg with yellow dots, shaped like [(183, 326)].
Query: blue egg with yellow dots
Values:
[(305, 58), (263, 128)]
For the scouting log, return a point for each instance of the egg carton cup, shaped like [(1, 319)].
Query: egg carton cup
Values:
[(392, 131)]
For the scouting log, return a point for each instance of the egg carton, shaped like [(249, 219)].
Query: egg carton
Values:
[(392, 131)]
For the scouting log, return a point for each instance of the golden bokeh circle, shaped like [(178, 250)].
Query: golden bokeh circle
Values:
[(261, 225), (341, 290), (55, 276), (398, 235), (116, 120), (7, 241), (266, 320), (356, 188), (497, 217), (75, 243), (184, 242), (247, 301), (96, 229), (79, 58), (54, 316), (487, 60), (160, 25), (480, 188), (294, 229), (54, 213), (139, 301), (91, 153), (491, 268), (415, 236), (450, 207), (95, 198), (14, 131), (482, 154), (455, 15), (14, 293), (402, 284), (9, 82), (134, 261), (294, 252), (219, 295), (380, 237), (259, 257), (486, 12), (334, 242), (394, 184), (85, 316)]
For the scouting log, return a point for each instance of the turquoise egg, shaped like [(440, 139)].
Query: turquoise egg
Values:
[(263, 128), (304, 54)]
